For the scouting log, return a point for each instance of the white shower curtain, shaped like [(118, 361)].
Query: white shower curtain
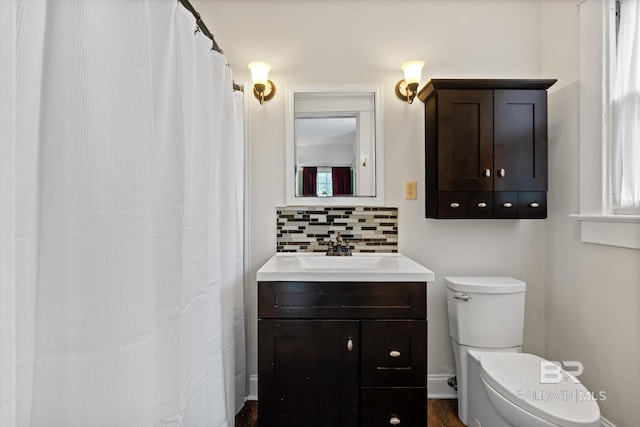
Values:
[(128, 285)]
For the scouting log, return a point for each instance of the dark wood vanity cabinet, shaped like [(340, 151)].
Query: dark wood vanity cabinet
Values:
[(342, 354), (486, 148)]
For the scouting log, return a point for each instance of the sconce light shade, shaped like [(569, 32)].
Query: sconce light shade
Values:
[(407, 89), (263, 88), (412, 71)]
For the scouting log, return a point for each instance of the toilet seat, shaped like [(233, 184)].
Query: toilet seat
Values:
[(516, 376)]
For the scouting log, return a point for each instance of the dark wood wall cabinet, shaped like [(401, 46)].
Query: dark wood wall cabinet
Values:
[(342, 354), (486, 148)]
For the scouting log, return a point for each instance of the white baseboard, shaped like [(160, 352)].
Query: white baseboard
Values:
[(253, 388), (439, 389), (606, 423)]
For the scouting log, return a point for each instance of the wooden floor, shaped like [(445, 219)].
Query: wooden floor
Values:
[(442, 413)]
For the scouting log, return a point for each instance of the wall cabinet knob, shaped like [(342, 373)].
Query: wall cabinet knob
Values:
[(487, 173), (534, 205), (394, 421), (482, 205), (501, 172), (394, 353), (507, 205), (455, 205), (350, 344)]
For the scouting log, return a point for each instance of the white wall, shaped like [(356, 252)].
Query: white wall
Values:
[(593, 291), (308, 42)]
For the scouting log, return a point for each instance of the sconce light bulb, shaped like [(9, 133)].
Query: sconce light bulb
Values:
[(259, 72), (412, 71)]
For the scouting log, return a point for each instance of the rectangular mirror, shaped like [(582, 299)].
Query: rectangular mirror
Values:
[(334, 145)]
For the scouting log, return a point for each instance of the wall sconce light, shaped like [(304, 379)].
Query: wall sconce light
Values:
[(263, 88), (407, 89)]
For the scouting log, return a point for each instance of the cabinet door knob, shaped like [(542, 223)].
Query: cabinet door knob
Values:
[(534, 205), (394, 421), (487, 173), (501, 172), (482, 205), (507, 205), (455, 205), (350, 344), (394, 353)]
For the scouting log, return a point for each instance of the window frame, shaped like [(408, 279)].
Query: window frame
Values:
[(610, 36), (599, 223)]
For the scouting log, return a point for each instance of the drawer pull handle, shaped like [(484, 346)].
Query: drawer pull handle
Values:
[(394, 353), (350, 344), (487, 173), (455, 205), (394, 421), (502, 173), (507, 205), (482, 205), (534, 205)]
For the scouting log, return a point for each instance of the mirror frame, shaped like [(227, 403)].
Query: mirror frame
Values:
[(290, 164)]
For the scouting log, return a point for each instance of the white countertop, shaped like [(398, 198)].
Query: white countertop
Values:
[(369, 267)]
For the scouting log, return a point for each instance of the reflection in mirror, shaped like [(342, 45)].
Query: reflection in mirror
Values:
[(325, 156), (333, 137)]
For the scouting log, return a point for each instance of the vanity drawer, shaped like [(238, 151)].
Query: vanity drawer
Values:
[(342, 300), (393, 353), (380, 405)]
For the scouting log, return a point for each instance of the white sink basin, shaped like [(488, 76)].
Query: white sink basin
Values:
[(340, 262), (316, 267)]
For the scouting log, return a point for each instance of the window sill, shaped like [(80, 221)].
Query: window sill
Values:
[(613, 230)]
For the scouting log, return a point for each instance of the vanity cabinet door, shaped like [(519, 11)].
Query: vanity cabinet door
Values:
[(308, 372)]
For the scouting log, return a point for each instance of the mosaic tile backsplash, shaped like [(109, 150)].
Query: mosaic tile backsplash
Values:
[(308, 229)]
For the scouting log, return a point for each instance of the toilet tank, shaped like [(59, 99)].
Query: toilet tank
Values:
[(486, 312)]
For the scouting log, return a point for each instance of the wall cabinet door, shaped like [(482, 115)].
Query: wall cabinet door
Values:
[(520, 140), (308, 371), (465, 140)]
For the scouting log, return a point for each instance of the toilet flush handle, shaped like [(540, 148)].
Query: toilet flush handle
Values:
[(463, 297)]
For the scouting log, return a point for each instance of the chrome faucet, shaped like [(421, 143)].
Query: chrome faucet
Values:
[(341, 247)]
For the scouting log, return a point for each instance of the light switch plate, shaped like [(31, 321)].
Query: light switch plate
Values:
[(410, 190)]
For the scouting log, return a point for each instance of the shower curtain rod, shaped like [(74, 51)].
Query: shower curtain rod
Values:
[(202, 26)]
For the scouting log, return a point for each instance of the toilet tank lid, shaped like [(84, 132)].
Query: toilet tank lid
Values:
[(485, 284)]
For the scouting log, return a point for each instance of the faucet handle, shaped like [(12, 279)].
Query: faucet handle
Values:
[(347, 247), (330, 247)]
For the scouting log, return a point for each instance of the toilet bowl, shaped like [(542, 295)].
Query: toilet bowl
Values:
[(498, 386)]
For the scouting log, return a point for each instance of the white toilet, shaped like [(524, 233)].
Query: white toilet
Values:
[(497, 385)]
